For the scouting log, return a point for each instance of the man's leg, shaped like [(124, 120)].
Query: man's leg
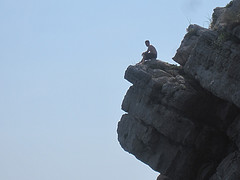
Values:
[(148, 56), (152, 56), (144, 57)]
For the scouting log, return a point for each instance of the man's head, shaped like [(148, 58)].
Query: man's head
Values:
[(147, 43)]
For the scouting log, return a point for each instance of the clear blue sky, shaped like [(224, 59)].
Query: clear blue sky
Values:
[(61, 73)]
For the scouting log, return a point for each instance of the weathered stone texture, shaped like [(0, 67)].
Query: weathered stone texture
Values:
[(184, 121), (172, 122)]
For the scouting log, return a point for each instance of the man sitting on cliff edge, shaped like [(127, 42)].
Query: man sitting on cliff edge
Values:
[(151, 52)]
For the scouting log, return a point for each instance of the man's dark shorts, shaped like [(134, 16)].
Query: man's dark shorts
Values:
[(147, 56)]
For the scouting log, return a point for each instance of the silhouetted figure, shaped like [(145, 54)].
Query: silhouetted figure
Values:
[(162, 177), (151, 52)]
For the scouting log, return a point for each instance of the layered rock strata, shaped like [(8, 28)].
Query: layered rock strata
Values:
[(184, 121), (172, 123)]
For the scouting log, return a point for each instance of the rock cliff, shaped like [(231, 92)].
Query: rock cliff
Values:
[(184, 121)]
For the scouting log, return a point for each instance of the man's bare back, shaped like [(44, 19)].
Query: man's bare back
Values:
[(151, 49), (151, 52)]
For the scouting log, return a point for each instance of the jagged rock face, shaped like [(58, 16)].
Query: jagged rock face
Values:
[(184, 121), (172, 124), (226, 16), (213, 61), (229, 168)]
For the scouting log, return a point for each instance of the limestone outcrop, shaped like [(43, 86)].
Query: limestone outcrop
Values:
[(184, 120)]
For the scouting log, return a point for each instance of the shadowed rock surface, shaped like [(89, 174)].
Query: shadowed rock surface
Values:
[(184, 121)]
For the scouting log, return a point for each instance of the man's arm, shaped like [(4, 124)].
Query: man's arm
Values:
[(148, 49)]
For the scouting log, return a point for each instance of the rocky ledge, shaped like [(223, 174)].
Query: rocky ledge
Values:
[(184, 121)]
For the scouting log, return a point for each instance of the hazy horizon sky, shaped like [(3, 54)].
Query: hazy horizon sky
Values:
[(61, 74)]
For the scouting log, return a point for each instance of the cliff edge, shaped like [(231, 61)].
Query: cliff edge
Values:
[(184, 121)]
